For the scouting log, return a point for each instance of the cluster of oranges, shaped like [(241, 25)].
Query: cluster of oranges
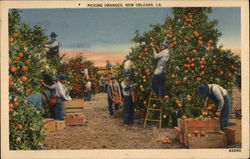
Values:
[(197, 133), (74, 116)]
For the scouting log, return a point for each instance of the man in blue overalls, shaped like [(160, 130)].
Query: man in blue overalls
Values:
[(127, 86), (61, 96), (222, 99)]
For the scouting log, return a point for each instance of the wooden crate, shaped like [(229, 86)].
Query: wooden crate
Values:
[(74, 106), (213, 140), (74, 121), (60, 124), (205, 124), (74, 103), (177, 133), (49, 125), (233, 134)]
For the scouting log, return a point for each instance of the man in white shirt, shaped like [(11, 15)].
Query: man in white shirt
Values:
[(159, 75), (88, 86), (127, 64), (221, 97)]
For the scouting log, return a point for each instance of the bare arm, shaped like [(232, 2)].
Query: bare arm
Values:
[(47, 86)]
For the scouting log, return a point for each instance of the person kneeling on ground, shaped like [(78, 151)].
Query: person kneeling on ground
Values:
[(222, 99)]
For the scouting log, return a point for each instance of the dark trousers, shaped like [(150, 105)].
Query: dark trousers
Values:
[(158, 84), (57, 111), (225, 112), (89, 95), (110, 106), (128, 111)]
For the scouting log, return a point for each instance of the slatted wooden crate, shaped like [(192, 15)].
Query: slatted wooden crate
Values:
[(60, 124), (205, 124), (74, 107), (49, 125), (233, 134), (74, 119), (177, 133), (212, 140)]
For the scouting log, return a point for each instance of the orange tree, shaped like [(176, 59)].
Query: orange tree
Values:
[(195, 57), (27, 62), (74, 70)]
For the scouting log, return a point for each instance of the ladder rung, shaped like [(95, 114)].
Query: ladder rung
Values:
[(154, 109), (153, 120)]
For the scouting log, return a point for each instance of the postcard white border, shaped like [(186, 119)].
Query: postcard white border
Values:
[(122, 154)]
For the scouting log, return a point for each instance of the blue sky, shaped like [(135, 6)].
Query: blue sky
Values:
[(105, 33), (102, 27)]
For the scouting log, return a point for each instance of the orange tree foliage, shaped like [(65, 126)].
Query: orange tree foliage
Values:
[(195, 58)]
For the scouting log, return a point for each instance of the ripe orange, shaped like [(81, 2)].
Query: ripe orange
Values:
[(198, 78), (202, 66), (196, 131), (145, 49), (28, 91), (200, 42), (14, 35), (24, 68), (196, 33), (171, 45), (177, 101), (185, 53), (16, 103), (27, 61), (13, 69), (184, 117), (17, 58), (185, 41), (20, 54), (192, 65), (11, 110), (11, 83), (202, 73), (19, 126), (200, 37), (144, 102), (221, 72), (24, 78), (193, 59), (11, 105), (11, 40)]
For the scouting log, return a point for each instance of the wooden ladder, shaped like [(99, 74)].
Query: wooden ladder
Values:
[(150, 109)]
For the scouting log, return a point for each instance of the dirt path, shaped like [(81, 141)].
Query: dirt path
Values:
[(102, 132)]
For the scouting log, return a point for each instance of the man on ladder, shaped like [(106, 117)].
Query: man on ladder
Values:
[(158, 83), (159, 75)]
